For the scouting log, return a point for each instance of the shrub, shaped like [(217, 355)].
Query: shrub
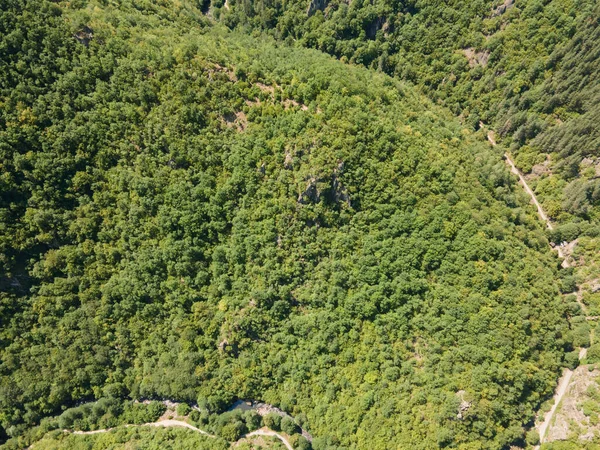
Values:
[(273, 421), (288, 425), (183, 409), (253, 420), (532, 437), (233, 431)]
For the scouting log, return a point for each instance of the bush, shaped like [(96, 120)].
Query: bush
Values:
[(568, 232), (154, 411), (300, 443), (581, 335), (253, 420), (573, 306), (288, 425), (272, 421), (571, 360), (233, 431), (568, 285), (195, 416), (532, 437), (70, 418), (183, 409), (593, 354)]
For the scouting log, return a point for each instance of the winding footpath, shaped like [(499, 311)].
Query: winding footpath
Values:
[(565, 379), (180, 423), (266, 432), (158, 423)]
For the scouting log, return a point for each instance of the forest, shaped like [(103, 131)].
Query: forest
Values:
[(212, 202), (528, 68)]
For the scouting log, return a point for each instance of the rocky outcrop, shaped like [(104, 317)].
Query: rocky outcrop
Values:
[(310, 194), (503, 8), (375, 26), (335, 193), (476, 58), (338, 191), (464, 405), (84, 36), (314, 6)]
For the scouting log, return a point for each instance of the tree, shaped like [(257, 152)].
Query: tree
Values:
[(288, 425), (272, 421), (183, 409)]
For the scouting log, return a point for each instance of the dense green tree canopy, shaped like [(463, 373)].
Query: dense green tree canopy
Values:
[(195, 214), (528, 68)]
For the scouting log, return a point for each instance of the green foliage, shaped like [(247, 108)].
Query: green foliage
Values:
[(580, 334), (102, 414), (529, 69), (288, 425), (532, 437), (572, 359), (299, 442), (593, 354), (568, 284), (230, 425), (567, 232), (194, 214), (252, 420), (272, 421), (151, 438), (233, 431), (183, 409)]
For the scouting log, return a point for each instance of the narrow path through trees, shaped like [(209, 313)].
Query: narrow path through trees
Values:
[(180, 423), (564, 380)]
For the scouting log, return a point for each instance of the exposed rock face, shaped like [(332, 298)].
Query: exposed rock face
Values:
[(314, 6), (476, 58), (335, 193), (375, 26), (264, 408), (84, 36), (503, 8), (570, 414), (590, 162), (311, 194), (289, 160), (464, 405), (338, 190)]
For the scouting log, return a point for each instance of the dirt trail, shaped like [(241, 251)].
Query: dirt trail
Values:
[(179, 423), (266, 432), (563, 384), (565, 379), (517, 172), (159, 423), (166, 421)]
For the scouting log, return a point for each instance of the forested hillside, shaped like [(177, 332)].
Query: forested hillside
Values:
[(528, 68), (200, 215)]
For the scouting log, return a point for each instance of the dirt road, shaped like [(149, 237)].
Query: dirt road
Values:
[(517, 172), (561, 390), (563, 384), (179, 423), (266, 432), (565, 379), (160, 423)]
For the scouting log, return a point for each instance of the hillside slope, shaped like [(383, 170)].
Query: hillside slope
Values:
[(528, 68), (194, 214)]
